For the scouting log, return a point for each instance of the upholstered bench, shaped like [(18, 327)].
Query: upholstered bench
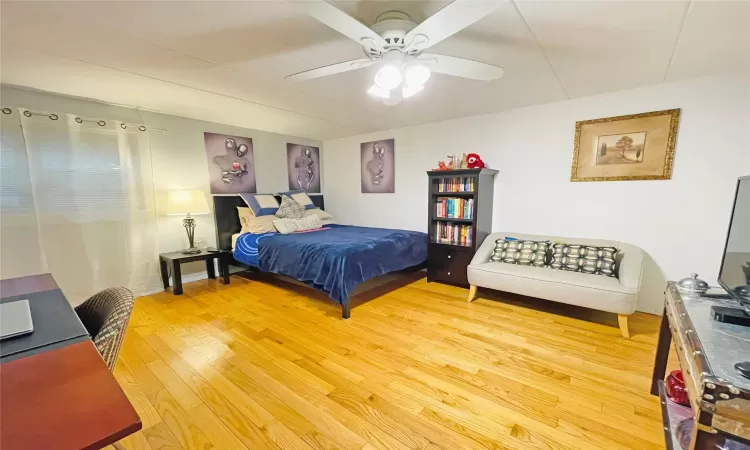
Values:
[(617, 295)]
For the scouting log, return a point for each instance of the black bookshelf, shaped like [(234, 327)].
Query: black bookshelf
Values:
[(451, 251)]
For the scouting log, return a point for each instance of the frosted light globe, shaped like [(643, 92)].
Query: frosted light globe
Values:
[(410, 90), (388, 77), (417, 75), (378, 92)]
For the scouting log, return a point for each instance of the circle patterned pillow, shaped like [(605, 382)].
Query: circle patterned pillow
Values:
[(584, 258), (525, 253)]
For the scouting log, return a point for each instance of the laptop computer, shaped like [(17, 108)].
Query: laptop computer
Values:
[(15, 319)]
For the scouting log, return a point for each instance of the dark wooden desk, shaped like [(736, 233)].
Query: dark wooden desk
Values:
[(174, 259), (27, 285), (61, 398)]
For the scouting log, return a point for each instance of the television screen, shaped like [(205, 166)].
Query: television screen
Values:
[(734, 275)]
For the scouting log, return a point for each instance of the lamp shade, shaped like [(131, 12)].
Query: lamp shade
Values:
[(186, 201)]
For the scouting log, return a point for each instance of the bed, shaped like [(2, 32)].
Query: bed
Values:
[(334, 259)]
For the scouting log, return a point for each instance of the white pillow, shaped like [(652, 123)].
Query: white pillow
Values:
[(255, 225), (323, 215), (287, 226)]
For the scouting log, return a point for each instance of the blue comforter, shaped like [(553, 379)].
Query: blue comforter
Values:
[(336, 259)]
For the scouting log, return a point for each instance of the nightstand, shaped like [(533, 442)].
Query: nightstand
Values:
[(174, 259)]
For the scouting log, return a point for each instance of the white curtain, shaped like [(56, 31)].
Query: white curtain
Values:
[(85, 193)]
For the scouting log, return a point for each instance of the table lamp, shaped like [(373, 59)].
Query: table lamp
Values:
[(187, 201)]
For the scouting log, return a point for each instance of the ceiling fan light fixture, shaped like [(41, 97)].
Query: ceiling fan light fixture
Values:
[(417, 75), (376, 91), (388, 77), (410, 90)]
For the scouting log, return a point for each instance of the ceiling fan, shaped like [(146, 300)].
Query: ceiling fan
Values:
[(397, 44)]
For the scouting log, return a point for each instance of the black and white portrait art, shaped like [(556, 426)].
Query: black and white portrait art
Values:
[(303, 167), (231, 167), (378, 167)]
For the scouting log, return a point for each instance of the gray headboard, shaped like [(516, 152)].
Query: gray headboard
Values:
[(228, 221)]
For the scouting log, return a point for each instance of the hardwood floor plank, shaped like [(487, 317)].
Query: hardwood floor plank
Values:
[(323, 422), (277, 408), (284, 438), (264, 365), (220, 393), (159, 437), (137, 397), (136, 441), (371, 414), (174, 385), (145, 379), (215, 429), (347, 383), (437, 435), (179, 422), (272, 361), (241, 415)]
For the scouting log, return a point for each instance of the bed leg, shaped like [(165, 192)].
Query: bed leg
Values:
[(345, 311)]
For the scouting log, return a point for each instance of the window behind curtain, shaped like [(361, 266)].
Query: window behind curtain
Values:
[(92, 195)]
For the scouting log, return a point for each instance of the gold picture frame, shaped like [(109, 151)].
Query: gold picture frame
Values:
[(624, 148)]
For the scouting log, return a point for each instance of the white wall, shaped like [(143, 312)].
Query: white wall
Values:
[(178, 159), (179, 162), (681, 222)]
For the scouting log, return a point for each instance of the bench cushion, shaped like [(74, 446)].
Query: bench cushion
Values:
[(575, 288)]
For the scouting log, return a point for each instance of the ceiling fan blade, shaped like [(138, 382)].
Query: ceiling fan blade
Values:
[(330, 70), (460, 67), (453, 18), (344, 23)]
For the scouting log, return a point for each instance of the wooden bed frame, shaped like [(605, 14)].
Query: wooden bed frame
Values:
[(227, 222)]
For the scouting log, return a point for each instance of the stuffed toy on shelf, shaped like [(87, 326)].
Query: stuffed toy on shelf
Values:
[(474, 161)]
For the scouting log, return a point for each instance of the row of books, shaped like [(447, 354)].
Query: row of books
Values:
[(455, 208), (456, 184), (448, 233)]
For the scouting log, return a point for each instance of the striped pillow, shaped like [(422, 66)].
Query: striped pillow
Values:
[(300, 197), (261, 204)]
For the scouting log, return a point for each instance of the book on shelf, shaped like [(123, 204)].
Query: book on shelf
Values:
[(454, 208), (456, 184), (453, 234)]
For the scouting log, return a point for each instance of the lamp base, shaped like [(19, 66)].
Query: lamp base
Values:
[(189, 224)]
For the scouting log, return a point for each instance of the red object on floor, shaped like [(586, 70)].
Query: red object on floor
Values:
[(676, 389)]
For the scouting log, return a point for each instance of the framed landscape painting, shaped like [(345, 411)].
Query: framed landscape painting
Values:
[(634, 147)]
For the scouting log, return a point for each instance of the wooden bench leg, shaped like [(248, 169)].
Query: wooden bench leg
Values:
[(472, 293), (622, 319)]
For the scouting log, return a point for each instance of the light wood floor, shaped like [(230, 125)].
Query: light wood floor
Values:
[(260, 364)]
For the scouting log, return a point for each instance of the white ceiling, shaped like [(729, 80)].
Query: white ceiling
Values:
[(225, 61)]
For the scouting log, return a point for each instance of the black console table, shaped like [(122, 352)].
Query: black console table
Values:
[(174, 259)]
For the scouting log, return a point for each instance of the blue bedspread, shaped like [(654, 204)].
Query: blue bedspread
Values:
[(334, 260)]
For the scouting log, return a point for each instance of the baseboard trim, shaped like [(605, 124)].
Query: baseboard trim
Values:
[(189, 278)]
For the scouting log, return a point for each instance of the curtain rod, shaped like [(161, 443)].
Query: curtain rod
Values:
[(78, 119)]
